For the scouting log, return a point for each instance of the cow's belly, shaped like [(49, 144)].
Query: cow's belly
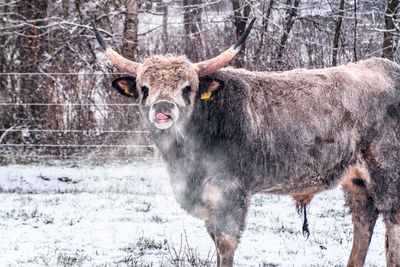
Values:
[(350, 177)]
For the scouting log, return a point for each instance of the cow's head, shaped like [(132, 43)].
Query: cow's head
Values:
[(167, 85)]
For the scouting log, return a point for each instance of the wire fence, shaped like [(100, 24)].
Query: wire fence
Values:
[(27, 130), (75, 145), (41, 143), (59, 73), (67, 104)]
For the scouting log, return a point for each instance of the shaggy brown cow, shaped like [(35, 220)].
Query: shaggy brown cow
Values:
[(228, 133)]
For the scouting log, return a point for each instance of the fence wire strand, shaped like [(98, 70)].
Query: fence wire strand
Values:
[(59, 73), (75, 145), (68, 104), (25, 130)]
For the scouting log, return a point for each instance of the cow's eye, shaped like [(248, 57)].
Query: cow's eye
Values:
[(145, 92), (186, 94)]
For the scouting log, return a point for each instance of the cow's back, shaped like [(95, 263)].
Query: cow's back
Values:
[(305, 126)]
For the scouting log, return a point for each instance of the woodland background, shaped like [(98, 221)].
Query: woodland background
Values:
[(56, 101)]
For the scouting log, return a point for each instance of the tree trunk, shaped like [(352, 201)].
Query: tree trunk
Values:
[(337, 33), (165, 27), (129, 48), (268, 15), (388, 35), (291, 14), (31, 50), (192, 25), (265, 22), (3, 58), (5, 113), (241, 11), (355, 58)]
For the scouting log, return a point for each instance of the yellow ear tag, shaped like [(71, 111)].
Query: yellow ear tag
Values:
[(126, 90), (206, 96)]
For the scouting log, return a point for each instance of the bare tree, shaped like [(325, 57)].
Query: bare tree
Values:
[(165, 26), (291, 13), (30, 52), (268, 14), (355, 58), (3, 59), (265, 20), (337, 33), (388, 42), (192, 24), (129, 48), (241, 11)]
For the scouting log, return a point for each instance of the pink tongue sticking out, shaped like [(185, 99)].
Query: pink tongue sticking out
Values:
[(162, 116)]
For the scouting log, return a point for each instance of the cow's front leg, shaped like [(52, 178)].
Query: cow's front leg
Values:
[(227, 203), (225, 246)]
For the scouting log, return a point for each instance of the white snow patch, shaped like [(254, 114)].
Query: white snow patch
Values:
[(126, 215)]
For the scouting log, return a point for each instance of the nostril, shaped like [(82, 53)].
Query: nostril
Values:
[(163, 106)]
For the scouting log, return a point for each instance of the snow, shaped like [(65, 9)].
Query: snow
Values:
[(126, 215)]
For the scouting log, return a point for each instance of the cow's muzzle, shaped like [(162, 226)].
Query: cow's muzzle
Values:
[(163, 114)]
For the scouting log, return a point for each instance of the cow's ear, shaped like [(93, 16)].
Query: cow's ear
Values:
[(126, 86), (209, 87)]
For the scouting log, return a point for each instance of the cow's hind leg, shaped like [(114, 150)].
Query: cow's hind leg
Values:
[(364, 215), (383, 159), (227, 203), (392, 242)]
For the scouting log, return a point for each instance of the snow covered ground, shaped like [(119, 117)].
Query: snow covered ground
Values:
[(126, 215)]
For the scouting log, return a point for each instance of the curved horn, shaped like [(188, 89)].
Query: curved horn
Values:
[(211, 65), (116, 59)]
